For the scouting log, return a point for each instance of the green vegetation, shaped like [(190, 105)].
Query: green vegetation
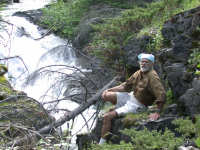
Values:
[(114, 34), (136, 20), (188, 129), (132, 119), (64, 17), (152, 140), (195, 60), (170, 97), (145, 140)]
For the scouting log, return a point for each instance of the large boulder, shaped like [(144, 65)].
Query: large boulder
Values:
[(31, 15)]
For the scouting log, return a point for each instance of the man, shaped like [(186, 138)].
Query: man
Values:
[(142, 89)]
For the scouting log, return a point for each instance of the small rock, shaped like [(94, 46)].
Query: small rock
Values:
[(187, 148)]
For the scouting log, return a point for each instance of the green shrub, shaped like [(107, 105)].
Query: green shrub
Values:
[(121, 146), (144, 140), (154, 140), (185, 127), (151, 140), (64, 17), (194, 60), (170, 97)]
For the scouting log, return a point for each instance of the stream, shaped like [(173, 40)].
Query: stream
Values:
[(28, 55)]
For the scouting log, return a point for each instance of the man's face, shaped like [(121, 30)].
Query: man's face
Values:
[(145, 65)]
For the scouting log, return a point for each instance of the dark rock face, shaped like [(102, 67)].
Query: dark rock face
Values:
[(134, 47), (179, 33), (191, 98), (176, 73)]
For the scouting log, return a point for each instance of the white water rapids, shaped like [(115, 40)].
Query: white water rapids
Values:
[(32, 55)]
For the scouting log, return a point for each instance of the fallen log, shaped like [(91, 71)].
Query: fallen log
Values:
[(47, 129)]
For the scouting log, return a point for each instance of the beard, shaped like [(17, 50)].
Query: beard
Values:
[(145, 68)]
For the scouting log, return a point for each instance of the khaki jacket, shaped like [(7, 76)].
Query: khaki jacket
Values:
[(147, 88)]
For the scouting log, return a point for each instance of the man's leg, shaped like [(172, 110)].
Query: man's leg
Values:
[(110, 97), (107, 125)]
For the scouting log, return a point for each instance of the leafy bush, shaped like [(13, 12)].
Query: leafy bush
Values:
[(195, 60), (187, 127), (151, 140), (170, 97)]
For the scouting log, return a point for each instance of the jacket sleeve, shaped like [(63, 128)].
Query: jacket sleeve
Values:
[(129, 84), (158, 90)]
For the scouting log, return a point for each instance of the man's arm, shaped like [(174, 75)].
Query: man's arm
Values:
[(119, 88), (160, 94), (158, 91)]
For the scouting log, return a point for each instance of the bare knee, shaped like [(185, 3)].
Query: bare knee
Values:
[(109, 96), (105, 96), (110, 115)]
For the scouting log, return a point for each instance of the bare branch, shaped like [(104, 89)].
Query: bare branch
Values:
[(72, 115), (18, 57)]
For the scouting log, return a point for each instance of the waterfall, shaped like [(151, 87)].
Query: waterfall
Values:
[(29, 55)]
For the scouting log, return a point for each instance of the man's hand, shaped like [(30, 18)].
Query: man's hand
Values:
[(154, 116)]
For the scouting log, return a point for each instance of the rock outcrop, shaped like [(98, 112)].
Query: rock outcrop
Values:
[(19, 113), (181, 33)]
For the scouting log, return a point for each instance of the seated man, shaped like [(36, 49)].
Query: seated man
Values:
[(142, 89)]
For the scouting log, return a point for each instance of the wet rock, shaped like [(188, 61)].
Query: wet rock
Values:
[(16, 1), (31, 15)]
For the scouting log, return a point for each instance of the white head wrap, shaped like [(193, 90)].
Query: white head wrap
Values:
[(146, 56)]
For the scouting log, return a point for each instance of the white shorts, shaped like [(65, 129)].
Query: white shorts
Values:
[(127, 103)]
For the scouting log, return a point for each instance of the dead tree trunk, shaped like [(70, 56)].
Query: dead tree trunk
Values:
[(65, 118)]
